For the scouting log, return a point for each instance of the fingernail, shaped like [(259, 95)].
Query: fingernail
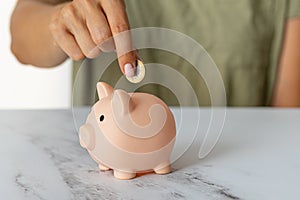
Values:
[(129, 70)]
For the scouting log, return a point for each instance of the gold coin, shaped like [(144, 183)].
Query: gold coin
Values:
[(139, 74)]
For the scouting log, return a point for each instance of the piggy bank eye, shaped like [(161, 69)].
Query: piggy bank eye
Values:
[(101, 118)]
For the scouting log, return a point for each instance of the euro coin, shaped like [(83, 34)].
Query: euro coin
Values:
[(139, 74)]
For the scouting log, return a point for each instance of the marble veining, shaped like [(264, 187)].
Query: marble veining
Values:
[(41, 159)]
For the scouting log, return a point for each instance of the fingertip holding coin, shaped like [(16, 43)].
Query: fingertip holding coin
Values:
[(139, 73)]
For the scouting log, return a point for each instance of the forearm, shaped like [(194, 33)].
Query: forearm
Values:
[(31, 40), (287, 90)]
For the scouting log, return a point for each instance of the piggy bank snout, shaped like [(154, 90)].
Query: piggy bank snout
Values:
[(87, 137)]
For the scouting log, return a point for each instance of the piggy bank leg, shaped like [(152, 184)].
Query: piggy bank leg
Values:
[(163, 168), (124, 175), (87, 137), (102, 167)]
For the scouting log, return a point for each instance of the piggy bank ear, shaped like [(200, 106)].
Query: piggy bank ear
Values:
[(104, 90), (121, 102)]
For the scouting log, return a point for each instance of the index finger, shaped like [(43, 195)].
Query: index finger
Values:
[(118, 21)]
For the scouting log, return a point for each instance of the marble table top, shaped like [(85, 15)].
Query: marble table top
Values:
[(256, 157)]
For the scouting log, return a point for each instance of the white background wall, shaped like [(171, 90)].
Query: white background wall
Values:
[(26, 87)]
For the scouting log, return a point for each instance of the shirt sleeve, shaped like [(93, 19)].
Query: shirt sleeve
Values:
[(294, 8)]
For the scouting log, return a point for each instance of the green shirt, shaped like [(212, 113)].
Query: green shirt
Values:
[(243, 37)]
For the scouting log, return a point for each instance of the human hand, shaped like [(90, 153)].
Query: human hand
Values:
[(82, 28)]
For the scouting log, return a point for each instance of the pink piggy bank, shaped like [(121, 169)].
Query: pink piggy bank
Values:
[(129, 132)]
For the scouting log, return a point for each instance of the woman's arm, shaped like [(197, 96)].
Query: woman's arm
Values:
[(287, 87), (46, 32), (31, 40)]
